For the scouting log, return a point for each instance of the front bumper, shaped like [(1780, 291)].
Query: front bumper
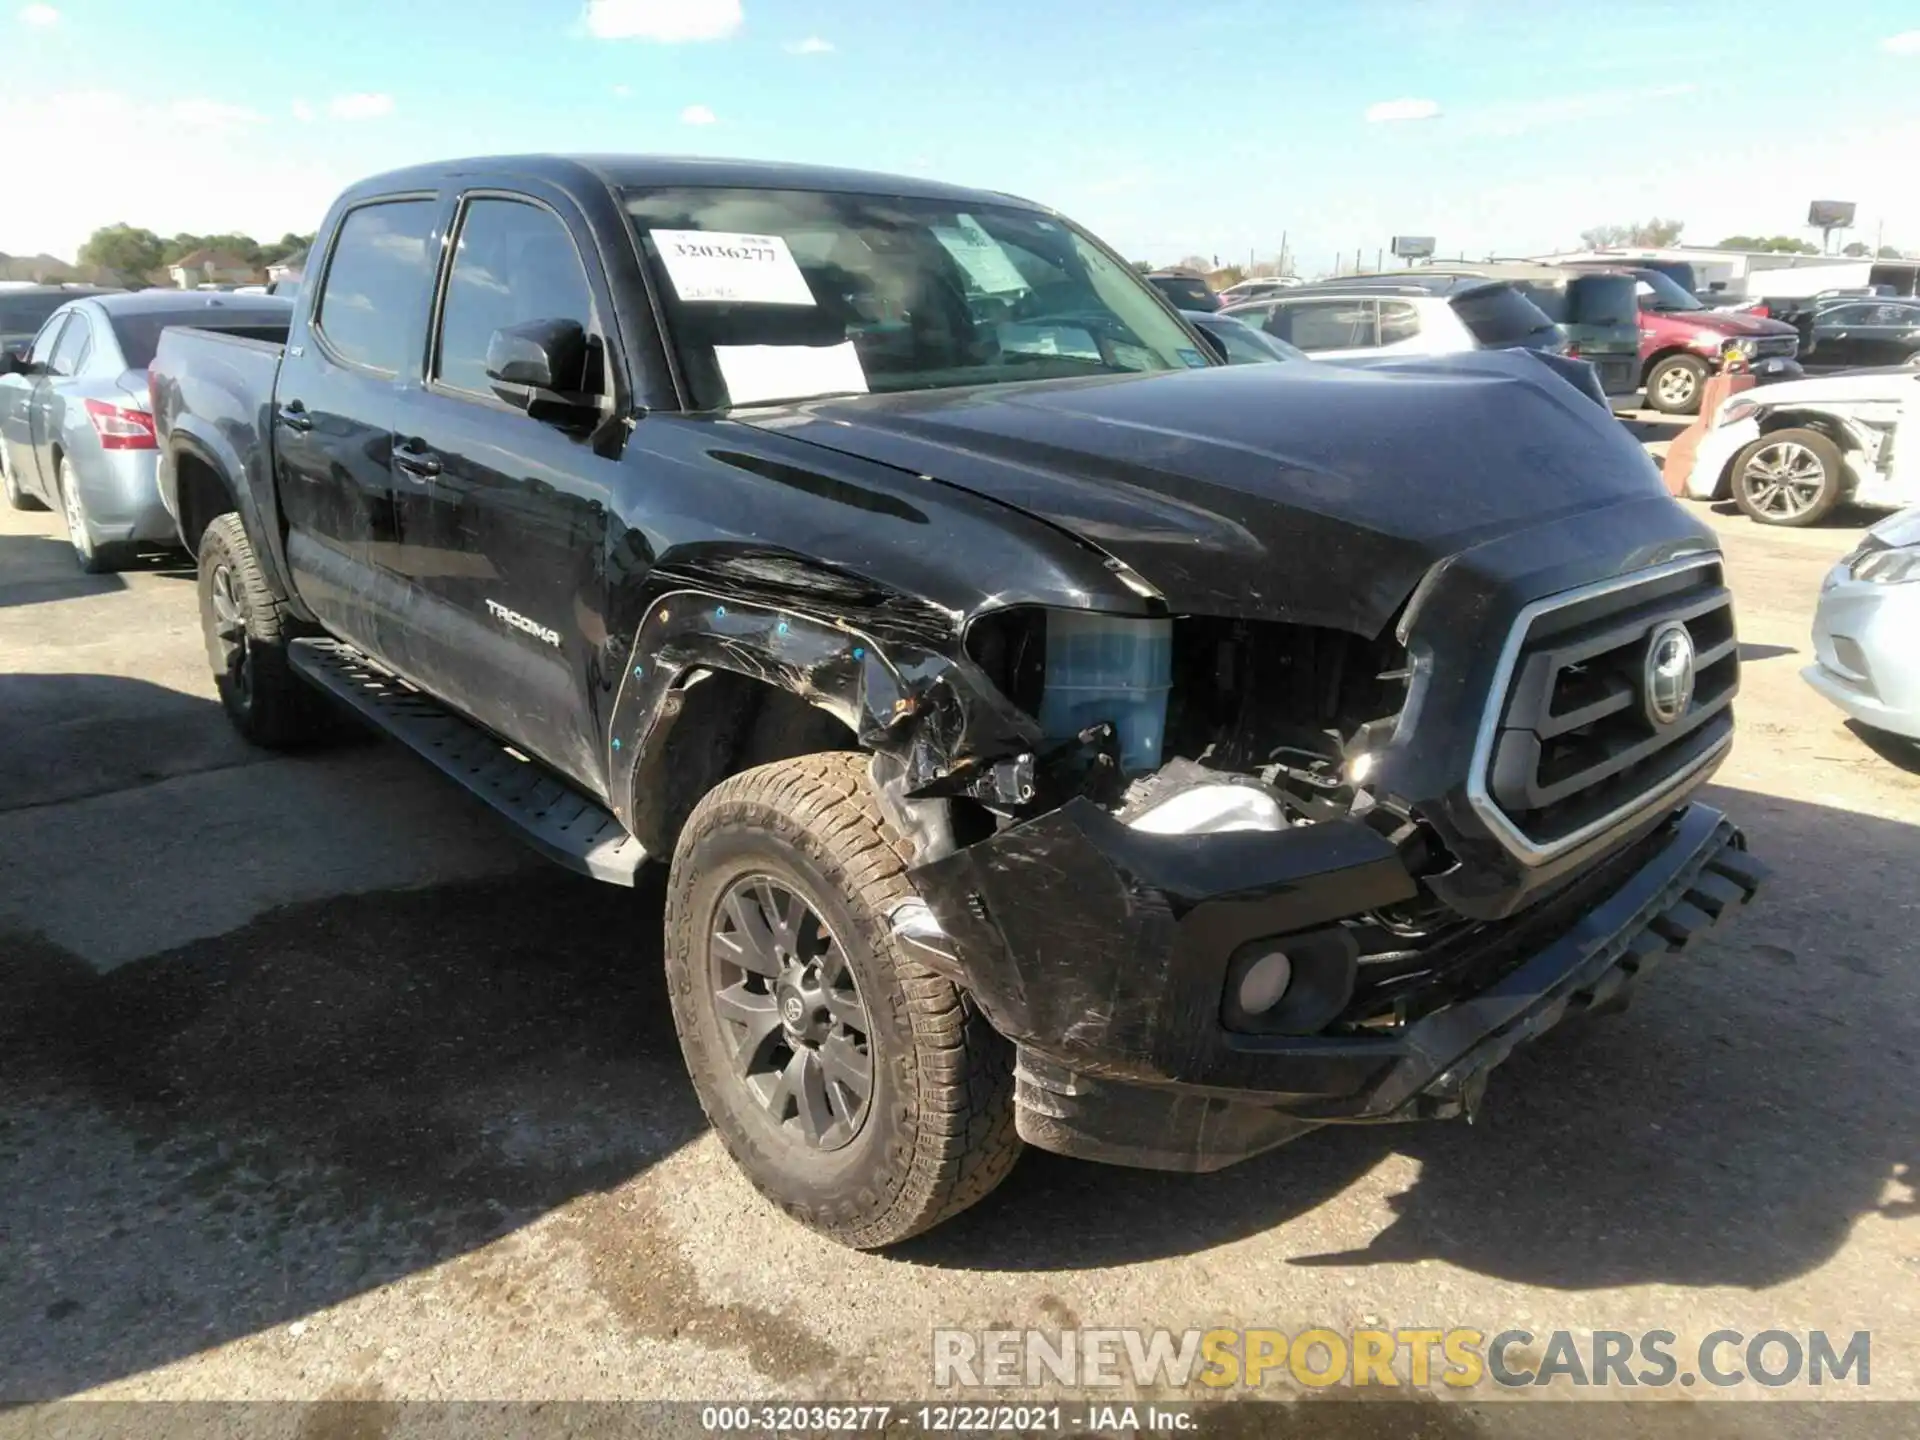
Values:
[(1103, 954), (1715, 456), (1863, 651)]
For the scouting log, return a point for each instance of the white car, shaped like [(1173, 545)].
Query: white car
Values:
[(1418, 314), (1788, 454), (1865, 660)]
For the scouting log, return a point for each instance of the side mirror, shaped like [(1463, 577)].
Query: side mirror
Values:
[(541, 367)]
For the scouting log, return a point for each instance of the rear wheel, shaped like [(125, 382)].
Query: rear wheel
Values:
[(93, 557), (1791, 477), (1675, 385), (17, 499), (860, 1092), (246, 630)]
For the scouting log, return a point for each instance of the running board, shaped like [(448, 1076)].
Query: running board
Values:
[(553, 817)]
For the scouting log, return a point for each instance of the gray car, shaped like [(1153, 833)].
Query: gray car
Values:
[(75, 430), (1866, 658)]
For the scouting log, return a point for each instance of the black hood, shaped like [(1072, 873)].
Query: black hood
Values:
[(1311, 492)]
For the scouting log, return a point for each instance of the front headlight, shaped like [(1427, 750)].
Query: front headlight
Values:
[(1734, 411), (1736, 349), (1896, 565)]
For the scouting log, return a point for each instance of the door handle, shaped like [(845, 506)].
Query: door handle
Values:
[(294, 416), (416, 460)]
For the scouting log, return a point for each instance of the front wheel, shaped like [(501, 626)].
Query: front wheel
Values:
[(1791, 477), (863, 1094), (1676, 384)]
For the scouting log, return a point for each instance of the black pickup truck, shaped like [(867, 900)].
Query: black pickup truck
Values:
[(1054, 734)]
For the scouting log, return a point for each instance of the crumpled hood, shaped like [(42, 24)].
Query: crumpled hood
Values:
[(1313, 492)]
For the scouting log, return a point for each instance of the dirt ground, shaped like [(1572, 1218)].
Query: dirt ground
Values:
[(313, 1084)]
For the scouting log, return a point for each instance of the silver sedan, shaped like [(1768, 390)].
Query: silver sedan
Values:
[(76, 433), (1866, 631)]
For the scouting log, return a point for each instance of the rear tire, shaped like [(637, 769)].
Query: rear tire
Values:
[(247, 630), (92, 557), (1676, 385), (17, 499), (934, 1132), (1790, 477)]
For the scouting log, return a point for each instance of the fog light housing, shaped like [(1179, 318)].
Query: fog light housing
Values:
[(1289, 984)]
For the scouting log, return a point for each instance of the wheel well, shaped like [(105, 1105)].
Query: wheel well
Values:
[(1809, 420), (719, 724), (202, 495), (1666, 354)]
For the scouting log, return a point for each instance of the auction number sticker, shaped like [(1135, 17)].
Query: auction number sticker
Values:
[(726, 267)]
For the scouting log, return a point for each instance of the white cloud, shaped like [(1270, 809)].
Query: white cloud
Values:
[(622, 92), (360, 107), (1388, 111), (304, 112), (1907, 42), (39, 16), (668, 22), (697, 115), (812, 45)]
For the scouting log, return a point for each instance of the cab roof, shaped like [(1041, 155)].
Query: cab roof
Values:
[(653, 172)]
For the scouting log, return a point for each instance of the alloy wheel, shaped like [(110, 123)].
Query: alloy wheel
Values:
[(74, 507), (1677, 386), (230, 629), (1784, 480), (790, 1013)]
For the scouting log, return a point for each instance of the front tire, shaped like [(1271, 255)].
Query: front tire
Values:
[(1791, 477), (860, 1092), (246, 630), (1676, 385)]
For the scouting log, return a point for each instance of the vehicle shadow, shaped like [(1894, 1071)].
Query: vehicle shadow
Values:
[(237, 1133), (1751, 651), (1729, 1129), (40, 569), (1897, 750)]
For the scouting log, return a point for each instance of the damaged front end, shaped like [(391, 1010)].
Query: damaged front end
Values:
[(1302, 913)]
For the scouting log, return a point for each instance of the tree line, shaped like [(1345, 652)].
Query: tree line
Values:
[(1658, 233), (139, 252)]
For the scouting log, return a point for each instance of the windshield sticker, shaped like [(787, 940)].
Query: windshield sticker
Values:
[(980, 255), (758, 374), (1193, 358), (721, 267)]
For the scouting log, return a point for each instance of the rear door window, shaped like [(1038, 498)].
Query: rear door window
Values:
[(76, 344), (515, 263), (1501, 315), (378, 283), (1399, 322), (1326, 324), (49, 336), (1605, 300)]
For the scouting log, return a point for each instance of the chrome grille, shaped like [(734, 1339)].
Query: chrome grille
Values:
[(1571, 746), (1769, 345)]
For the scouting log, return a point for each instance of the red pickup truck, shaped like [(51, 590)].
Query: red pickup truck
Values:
[(1682, 342)]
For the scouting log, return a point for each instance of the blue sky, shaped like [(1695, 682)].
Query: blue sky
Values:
[(1169, 129)]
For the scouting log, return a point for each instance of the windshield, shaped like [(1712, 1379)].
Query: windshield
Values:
[(21, 316), (1659, 293), (777, 295)]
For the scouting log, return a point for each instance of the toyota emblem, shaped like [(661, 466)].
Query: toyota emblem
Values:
[(1668, 681)]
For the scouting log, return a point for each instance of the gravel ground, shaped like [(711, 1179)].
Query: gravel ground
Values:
[(316, 1086)]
